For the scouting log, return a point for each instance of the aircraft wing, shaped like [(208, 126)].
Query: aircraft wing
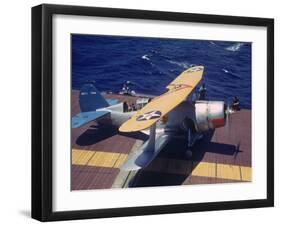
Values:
[(148, 151), (191, 76), (142, 158), (178, 91)]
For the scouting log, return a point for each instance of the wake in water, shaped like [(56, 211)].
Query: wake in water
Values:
[(235, 47), (224, 70), (152, 63), (184, 65), (145, 57)]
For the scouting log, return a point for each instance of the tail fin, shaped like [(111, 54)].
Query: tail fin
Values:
[(90, 99)]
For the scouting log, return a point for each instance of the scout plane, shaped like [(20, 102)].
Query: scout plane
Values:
[(166, 116)]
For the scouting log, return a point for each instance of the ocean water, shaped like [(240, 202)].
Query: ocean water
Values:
[(150, 64)]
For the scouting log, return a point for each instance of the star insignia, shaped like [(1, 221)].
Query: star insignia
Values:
[(149, 115)]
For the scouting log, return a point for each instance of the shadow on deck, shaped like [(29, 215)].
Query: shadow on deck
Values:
[(158, 173), (97, 133)]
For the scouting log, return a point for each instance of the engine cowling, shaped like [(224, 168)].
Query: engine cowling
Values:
[(209, 115)]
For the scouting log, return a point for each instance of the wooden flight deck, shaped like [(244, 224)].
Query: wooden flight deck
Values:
[(98, 153)]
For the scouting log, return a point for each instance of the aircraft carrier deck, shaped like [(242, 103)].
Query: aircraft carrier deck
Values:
[(221, 156)]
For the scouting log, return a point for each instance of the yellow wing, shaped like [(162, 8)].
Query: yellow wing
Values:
[(178, 91)]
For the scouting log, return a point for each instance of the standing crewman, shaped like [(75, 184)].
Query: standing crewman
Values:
[(125, 89), (202, 92), (235, 104), (125, 106)]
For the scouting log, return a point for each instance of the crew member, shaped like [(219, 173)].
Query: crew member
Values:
[(125, 106), (202, 92), (125, 88), (133, 106), (235, 104)]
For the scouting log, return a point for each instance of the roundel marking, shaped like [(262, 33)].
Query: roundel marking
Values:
[(149, 115)]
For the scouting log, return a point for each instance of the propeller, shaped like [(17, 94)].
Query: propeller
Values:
[(228, 112)]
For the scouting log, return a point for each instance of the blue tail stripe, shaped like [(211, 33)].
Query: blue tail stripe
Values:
[(90, 99)]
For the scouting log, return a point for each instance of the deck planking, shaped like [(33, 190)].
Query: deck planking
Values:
[(223, 156)]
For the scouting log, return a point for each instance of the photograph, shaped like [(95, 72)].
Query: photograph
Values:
[(152, 111), (141, 112)]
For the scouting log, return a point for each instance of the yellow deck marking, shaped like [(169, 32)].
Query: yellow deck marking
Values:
[(246, 173), (122, 158), (81, 157), (165, 165), (75, 156), (104, 159), (204, 169), (226, 171)]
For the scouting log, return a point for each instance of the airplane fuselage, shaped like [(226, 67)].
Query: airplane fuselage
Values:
[(116, 116)]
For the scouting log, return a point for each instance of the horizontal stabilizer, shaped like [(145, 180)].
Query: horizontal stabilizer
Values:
[(86, 117), (112, 101)]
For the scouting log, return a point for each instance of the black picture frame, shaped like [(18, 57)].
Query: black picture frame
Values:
[(42, 111)]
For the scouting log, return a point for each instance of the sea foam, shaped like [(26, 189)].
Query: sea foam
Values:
[(235, 47)]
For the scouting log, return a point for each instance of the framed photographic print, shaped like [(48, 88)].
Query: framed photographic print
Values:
[(146, 112)]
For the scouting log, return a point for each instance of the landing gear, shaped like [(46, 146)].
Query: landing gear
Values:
[(192, 136), (188, 153)]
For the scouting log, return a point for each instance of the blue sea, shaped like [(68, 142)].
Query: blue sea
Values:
[(150, 64)]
